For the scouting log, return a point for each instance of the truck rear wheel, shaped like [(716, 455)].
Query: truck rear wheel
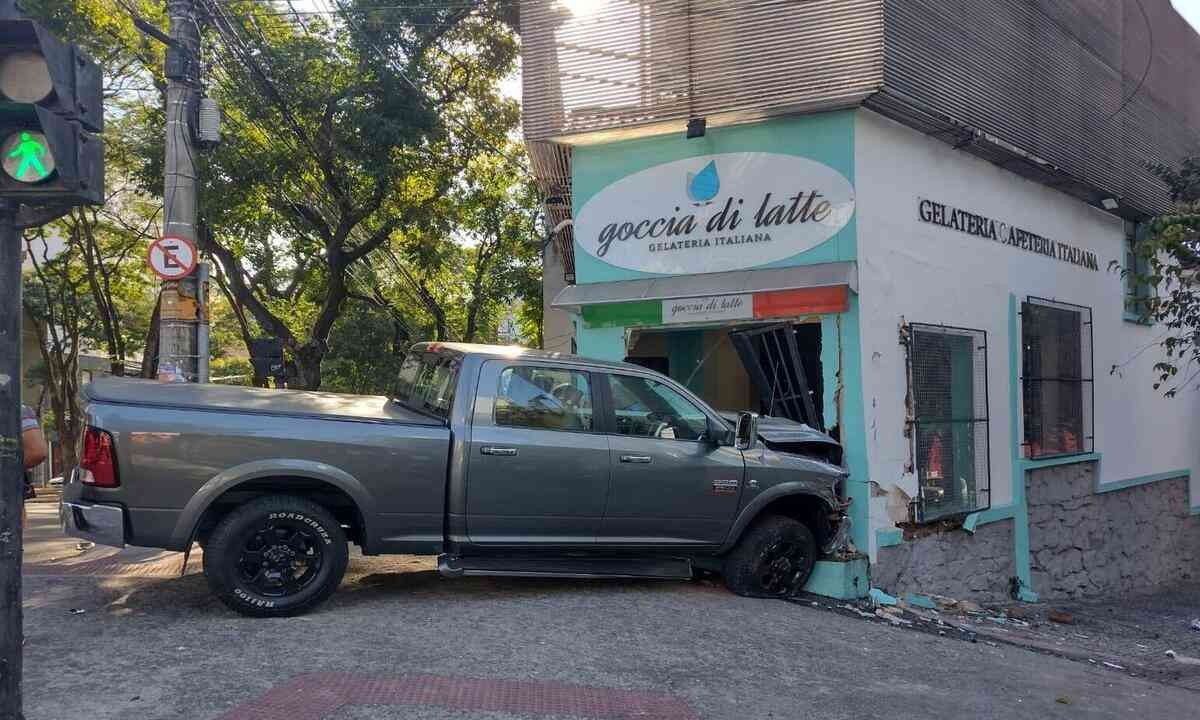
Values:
[(774, 558), (276, 556)]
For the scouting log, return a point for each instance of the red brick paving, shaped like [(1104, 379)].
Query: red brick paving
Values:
[(315, 696), (167, 567)]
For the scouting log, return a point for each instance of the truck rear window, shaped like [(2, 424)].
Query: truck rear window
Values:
[(427, 383)]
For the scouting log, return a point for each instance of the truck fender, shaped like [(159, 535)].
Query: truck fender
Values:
[(189, 519), (754, 508)]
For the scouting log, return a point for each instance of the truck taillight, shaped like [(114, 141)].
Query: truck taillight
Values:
[(99, 460)]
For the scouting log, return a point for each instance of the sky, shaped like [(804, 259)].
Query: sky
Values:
[(1190, 10)]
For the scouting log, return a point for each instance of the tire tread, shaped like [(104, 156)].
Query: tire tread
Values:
[(226, 531)]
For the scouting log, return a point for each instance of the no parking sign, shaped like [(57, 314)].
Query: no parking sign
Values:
[(172, 258)]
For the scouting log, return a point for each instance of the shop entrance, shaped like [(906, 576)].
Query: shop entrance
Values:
[(773, 369)]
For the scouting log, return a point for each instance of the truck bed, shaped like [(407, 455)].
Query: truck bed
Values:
[(296, 403)]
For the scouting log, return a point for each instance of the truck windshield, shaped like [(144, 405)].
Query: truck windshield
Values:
[(427, 382)]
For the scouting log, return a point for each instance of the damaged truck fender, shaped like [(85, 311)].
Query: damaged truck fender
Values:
[(282, 469), (754, 509)]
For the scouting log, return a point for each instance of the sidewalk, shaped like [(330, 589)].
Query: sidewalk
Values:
[(1146, 636)]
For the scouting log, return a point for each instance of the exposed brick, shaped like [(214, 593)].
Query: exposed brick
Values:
[(317, 695)]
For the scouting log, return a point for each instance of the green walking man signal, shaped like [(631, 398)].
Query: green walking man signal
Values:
[(26, 157), (30, 152)]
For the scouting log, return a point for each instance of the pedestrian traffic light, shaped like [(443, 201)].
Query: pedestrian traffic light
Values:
[(50, 104)]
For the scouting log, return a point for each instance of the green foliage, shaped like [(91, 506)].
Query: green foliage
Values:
[(366, 349), (1167, 261), (231, 371), (366, 185), (348, 142)]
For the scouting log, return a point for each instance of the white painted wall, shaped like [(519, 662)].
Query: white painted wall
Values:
[(929, 274)]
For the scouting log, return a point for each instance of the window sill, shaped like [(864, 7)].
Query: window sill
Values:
[(1132, 317), (1037, 464)]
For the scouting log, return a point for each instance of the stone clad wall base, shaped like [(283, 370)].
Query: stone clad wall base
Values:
[(953, 563), (1087, 543)]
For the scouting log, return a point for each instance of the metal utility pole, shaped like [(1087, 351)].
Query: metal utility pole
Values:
[(182, 301), (11, 466)]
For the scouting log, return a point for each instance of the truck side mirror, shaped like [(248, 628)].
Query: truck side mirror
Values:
[(746, 433)]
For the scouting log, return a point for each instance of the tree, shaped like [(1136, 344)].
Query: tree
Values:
[(55, 298), (86, 289), (1167, 258), (334, 146), (482, 255), (349, 187)]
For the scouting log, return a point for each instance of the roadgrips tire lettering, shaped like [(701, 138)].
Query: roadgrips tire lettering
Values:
[(306, 520), (221, 556)]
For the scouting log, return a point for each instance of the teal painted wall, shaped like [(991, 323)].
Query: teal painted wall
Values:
[(853, 430), (827, 138), (606, 343)]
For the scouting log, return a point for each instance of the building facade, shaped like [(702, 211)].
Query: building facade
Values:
[(902, 221)]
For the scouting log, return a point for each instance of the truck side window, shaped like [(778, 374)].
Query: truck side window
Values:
[(427, 383), (544, 398), (646, 408)]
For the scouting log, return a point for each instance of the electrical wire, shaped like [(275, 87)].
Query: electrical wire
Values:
[(245, 55), (1149, 61), (400, 72)]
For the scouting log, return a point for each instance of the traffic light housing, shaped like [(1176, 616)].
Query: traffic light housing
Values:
[(51, 103)]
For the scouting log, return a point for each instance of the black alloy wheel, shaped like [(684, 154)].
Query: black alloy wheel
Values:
[(280, 558), (784, 566), (774, 558), (275, 556)]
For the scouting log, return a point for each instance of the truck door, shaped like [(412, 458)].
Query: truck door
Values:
[(671, 484), (539, 467)]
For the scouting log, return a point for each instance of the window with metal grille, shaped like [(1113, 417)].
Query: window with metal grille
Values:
[(948, 387), (1056, 342)]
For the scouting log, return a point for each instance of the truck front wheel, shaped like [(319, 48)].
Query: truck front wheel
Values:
[(774, 558), (275, 556)]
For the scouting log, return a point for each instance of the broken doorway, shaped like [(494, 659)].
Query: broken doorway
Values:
[(784, 364)]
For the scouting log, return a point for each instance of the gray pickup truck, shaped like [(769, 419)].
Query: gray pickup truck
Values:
[(502, 461)]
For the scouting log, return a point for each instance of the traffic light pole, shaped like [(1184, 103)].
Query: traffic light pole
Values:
[(180, 314), (12, 470)]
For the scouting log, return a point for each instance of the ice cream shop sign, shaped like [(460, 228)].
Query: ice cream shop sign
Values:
[(715, 212)]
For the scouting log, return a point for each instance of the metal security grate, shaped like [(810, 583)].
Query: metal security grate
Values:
[(948, 387), (1059, 394)]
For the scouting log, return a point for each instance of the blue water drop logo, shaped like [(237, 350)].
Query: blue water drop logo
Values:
[(704, 185)]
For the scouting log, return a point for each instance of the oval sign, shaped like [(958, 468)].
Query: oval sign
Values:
[(715, 212)]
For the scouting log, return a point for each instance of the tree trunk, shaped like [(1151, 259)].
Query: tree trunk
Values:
[(308, 364), (150, 355)]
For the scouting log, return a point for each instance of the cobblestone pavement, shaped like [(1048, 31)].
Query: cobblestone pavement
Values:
[(398, 641)]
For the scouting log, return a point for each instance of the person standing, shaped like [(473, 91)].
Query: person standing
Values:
[(33, 445)]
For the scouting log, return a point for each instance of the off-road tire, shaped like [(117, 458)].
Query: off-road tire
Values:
[(224, 555), (757, 555)]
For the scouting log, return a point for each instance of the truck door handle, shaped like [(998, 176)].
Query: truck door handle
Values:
[(642, 459), (502, 451)]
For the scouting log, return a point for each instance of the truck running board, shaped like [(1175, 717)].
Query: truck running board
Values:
[(566, 567)]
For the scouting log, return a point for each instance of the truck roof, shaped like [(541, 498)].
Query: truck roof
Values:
[(515, 351)]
